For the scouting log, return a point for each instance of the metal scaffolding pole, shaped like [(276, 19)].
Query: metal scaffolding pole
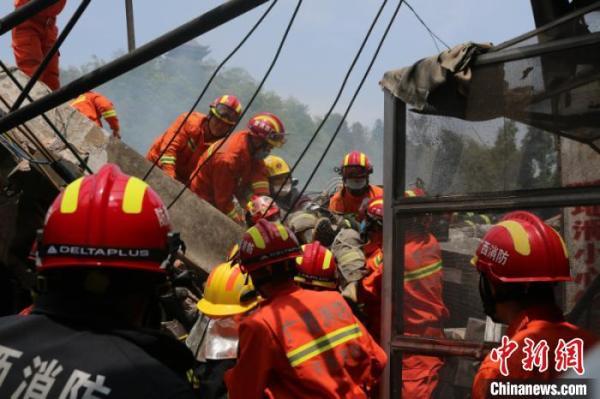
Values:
[(23, 13), (51, 53), (130, 25), (186, 32)]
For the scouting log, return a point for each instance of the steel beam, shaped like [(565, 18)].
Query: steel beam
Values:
[(51, 53), (186, 32), (442, 347), (23, 13)]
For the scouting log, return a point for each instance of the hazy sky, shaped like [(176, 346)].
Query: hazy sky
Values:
[(320, 46)]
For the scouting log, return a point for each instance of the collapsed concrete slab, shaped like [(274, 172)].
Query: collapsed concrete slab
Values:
[(209, 235)]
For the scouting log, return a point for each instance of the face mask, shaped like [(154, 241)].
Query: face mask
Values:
[(356, 183), (285, 189)]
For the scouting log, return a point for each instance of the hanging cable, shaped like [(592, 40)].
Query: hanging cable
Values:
[(262, 82), (212, 77), (82, 163), (339, 126), (435, 37), (335, 101)]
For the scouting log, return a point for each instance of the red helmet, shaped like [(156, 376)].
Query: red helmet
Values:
[(356, 164), (316, 266), (268, 127), (107, 219), (522, 248), (372, 209), (227, 108), (266, 243), (262, 206)]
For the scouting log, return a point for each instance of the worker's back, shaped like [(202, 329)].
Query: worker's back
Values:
[(42, 357), (308, 344)]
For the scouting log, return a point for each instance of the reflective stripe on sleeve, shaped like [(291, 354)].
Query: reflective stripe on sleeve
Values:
[(111, 113)]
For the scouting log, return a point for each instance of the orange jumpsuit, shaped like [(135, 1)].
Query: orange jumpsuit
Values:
[(537, 322), (344, 203), (181, 156), (95, 106), (230, 171), (423, 308), (32, 39), (304, 344)]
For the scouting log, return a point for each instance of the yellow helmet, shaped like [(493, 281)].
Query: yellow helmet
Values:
[(276, 166), (228, 292)]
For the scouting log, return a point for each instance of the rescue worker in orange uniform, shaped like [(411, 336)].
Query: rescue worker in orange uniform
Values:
[(96, 106), (355, 170), (520, 260), (316, 268), (298, 343), (423, 309), (237, 167), (178, 149), (33, 39)]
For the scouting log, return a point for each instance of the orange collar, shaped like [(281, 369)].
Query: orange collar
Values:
[(549, 313)]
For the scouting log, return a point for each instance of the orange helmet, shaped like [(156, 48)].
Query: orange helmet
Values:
[(262, 206), (266, 243), (522, 248), (355, 164), (268, 127), (227, 108), (316, 266), (108, 220)]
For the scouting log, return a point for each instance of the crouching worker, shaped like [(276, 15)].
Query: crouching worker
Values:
[(99, 267), (228, 296), (299, 343)]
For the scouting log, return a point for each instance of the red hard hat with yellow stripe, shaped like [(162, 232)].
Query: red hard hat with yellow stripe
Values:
[(522, 248), (268, 127), (356, 163), (266, 243), (316, 266), (227, 108), (108, 220)]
